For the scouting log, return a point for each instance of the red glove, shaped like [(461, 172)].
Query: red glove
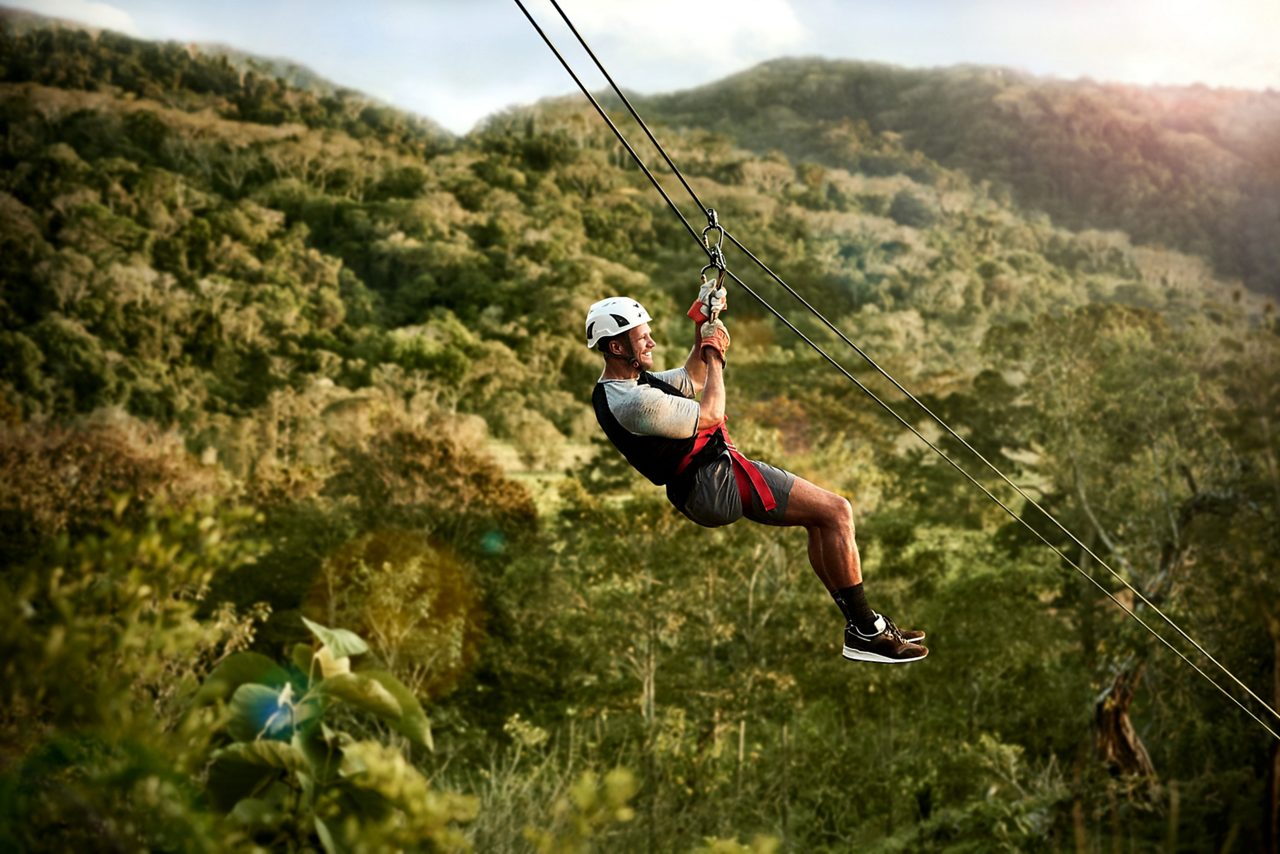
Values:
[(714, 336), (698, 312), (710, 299)]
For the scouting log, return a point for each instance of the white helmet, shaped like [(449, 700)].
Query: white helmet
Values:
[(612, 316)]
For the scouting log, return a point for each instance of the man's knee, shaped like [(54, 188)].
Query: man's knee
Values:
[(840, 512)]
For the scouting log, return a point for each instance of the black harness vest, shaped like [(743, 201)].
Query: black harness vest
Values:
[(655, 457)]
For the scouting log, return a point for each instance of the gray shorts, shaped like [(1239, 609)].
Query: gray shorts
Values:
[(714, 500)]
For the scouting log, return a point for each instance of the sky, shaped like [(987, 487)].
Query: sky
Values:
[(457, 61)]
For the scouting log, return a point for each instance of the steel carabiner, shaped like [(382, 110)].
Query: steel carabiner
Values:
[(713, 224), (716, 261), (715, 253)]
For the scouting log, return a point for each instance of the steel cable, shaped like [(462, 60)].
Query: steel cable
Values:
[(932, 446), (876, 366), (990, 465)]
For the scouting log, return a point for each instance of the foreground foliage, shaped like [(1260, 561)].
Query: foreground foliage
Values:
[(291, 777)]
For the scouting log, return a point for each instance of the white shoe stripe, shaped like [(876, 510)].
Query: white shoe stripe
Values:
[(875, 658)]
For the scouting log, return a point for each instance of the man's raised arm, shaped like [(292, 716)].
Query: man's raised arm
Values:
[(711, 407)]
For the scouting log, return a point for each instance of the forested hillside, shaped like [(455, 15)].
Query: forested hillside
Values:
[(1191, 168), (269, 353)]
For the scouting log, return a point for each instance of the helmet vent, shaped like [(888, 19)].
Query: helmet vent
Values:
[(619, 319)]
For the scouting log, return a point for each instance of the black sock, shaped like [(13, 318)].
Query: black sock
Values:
[(853, 604)]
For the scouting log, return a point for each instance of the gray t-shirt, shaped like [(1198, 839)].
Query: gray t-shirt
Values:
[(647, 411)]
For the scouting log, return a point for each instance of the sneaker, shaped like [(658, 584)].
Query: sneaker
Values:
[(886, 646), (912, 635), (908, 635)]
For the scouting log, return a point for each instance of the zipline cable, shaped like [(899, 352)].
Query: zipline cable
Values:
[(876, 366), (990, 465), (632, 110), (697, 238), (627, 145), (1008, 510)]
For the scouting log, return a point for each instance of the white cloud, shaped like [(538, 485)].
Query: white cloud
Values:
[(460, 109), (1141, 41), (716, 35), (89, 12)]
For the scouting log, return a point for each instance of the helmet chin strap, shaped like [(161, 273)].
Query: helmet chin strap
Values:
[(630, 358)]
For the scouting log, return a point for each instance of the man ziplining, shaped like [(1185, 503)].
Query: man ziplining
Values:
[(817, 510), (679, 442)]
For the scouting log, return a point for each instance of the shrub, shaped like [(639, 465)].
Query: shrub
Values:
[(292, 777), (58, 479), (417, 603), (909, 209), (100, 645)]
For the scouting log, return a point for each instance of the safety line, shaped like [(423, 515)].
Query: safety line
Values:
[(621, 138), (658, 186), (627, 102), (876, 366), (990, 465)]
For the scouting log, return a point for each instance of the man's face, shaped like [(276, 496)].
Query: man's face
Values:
[(642, 345)]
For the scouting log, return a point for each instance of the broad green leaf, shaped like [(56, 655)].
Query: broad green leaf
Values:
[(364, 693), (321, 752), (241, 770), (340, 641), (268, 754), (236, 670), (413, 723), (256, 711)]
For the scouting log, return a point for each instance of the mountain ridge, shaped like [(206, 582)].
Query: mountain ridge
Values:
[(1193, 167), (19, 22)]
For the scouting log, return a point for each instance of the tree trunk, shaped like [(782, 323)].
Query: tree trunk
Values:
[(1116, 739), (1079, 826)]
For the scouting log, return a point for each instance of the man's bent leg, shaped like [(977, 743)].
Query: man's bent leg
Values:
[(816, 559), (833, 553)]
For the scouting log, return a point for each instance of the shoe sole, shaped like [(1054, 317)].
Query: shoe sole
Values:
[(873, 658)]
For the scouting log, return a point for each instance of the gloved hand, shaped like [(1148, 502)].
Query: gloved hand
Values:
[(710, 298), (714, 337)]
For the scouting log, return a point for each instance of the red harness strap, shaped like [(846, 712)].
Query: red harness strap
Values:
[(747, 476)]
